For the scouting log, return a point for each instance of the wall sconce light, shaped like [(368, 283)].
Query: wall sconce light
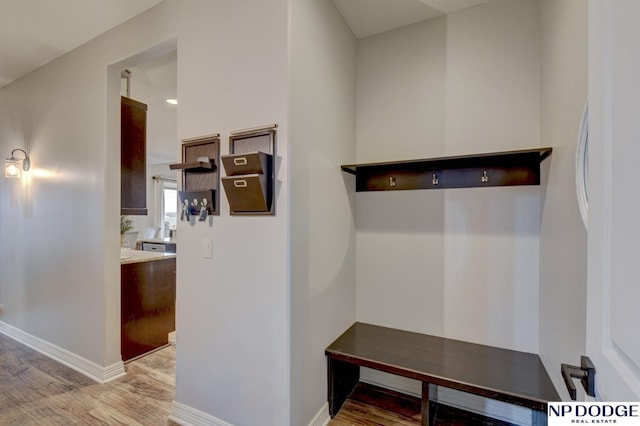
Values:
[(12, 167)]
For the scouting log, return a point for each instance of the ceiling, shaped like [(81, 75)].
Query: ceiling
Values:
[(34, 32), (370, 17)]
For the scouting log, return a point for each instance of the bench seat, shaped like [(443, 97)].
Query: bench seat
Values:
[(501, 374)]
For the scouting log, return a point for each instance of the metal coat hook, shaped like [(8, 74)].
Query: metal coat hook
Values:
[(434, 179), (190, 209), (203, 210), (185, 214), (485, 178), (392, 181)]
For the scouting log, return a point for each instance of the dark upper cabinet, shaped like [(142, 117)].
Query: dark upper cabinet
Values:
[(133, 157)]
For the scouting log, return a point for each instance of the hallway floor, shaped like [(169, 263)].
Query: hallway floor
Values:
[(35, 390)]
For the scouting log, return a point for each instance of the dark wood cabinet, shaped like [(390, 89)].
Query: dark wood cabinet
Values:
[(148, 300), (133, 157)]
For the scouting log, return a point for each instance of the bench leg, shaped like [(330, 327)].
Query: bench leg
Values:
[(342, 379), (426, 415)]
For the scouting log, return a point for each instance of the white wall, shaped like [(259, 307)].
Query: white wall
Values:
[(52, 283), (401, 115), (461, 263), (563, 238), (322, 131), (491, 235), (60, 279), (401, 94), (152, 82)]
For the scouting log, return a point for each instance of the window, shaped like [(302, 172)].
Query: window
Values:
[(166, 205), (170, 210)]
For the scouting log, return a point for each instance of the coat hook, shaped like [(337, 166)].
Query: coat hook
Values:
[(185, 215), (485, 178), (434, 179), (392, 181), (203, 210)]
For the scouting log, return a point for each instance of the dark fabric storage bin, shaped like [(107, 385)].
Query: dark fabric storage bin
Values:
[(248, 193), (247, 163)]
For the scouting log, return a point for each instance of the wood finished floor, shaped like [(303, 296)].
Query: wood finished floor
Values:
[(34, 390), (356, 413), (370, 405)]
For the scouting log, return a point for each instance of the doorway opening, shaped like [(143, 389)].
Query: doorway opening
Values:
[(147, 270)]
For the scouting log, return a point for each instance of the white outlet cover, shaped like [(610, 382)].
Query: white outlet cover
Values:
[(206, 248)]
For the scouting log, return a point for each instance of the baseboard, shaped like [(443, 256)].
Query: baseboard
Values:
[(82, 365), (322, 417), (188, 416), (391, 381), (484, 406), (465, 401)]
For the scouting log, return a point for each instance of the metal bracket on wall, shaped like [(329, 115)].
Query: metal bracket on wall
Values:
[(586, 373)]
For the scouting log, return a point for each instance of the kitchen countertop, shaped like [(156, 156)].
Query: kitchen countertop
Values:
[(137, 256)]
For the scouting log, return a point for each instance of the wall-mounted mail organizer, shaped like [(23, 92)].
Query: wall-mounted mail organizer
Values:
[(200, 177), (250, 168), (468, 171)]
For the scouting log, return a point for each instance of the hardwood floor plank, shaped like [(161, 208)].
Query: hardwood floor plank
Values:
[(30, 384), (35, 390), (373, 405), (110, 417), (12, 416), (356, 413), (164, 378)]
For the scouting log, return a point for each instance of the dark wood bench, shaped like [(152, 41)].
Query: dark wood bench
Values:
[(501, 374)]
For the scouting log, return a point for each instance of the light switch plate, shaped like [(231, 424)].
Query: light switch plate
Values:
[(206, 248)]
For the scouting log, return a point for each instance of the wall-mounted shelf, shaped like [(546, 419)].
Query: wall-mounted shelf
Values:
[(193, 166), (468, 171), (200, 175)]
